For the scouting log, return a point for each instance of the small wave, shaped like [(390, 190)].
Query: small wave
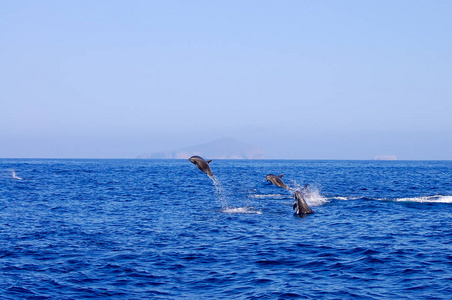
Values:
[(242, 210), (273, 196), (427, 199)]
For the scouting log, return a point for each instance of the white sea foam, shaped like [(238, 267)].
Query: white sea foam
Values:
[(427, 199), (242, 210)]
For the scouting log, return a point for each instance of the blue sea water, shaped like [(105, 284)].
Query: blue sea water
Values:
[(161, 229)]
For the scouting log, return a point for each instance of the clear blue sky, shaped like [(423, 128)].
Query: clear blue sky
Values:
[(303, 79)]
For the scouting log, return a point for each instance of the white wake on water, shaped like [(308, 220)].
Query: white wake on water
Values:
[(423, 199), (272, 196), (343, 198), (242, 210), (427, 199)]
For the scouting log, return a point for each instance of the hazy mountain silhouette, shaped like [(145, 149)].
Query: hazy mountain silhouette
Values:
[(225, 148)]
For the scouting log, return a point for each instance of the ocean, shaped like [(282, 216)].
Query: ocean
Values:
[(161, 229)]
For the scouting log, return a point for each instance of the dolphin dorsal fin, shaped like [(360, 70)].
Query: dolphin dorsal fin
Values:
[(208, 161), (306, 186), (280, 176)]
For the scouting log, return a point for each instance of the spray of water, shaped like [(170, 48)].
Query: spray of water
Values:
[(312, 196), (13, 173), (220, 194)]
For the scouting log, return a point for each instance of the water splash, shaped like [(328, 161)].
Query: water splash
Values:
[(13, 173), (312, 197), (219, 193)]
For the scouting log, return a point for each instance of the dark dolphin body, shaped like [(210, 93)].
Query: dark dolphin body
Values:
[(301, 205), (201, 164), (276, 180)]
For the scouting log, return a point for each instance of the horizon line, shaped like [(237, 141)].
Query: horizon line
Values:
[(238, 159)]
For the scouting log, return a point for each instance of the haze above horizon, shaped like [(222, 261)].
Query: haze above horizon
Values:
[(302, 79)]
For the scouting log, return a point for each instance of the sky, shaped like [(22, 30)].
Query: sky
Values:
[(305, 79)]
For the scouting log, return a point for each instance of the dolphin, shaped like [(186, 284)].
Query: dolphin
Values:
[(202, 165), (301, 205), (276, 180)]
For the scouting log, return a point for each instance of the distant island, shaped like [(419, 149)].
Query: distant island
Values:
[(225, 148)]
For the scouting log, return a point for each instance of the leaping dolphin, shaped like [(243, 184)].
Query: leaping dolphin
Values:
[(202, 165), (276, 180), (301, 205)]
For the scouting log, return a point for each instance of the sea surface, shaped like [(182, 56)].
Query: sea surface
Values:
[(161, 229)]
